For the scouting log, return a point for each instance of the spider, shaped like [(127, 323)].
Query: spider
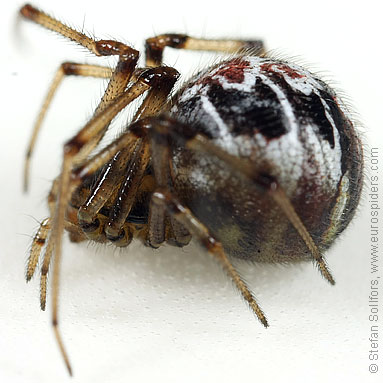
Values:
[(254, 157)]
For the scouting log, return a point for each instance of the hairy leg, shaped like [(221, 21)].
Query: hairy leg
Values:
[(65, 69), (154, 47)]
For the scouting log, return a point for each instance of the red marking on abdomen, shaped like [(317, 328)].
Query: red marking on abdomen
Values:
[(270, 68), (233, 71)]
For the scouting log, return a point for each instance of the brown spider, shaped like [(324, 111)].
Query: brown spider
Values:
[(255, 157)]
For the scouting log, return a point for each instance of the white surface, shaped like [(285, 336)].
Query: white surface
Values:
[(172, 315)]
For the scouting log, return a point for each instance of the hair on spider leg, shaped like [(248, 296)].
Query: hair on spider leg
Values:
[(33, 218), (25, 235), (255, 157)]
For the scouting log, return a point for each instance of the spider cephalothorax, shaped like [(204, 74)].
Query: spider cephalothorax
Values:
[(254, 157)]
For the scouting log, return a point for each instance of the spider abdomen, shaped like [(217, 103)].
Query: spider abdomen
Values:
[(288, 124)]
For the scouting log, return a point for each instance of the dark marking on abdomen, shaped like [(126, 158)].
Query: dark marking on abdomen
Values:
[(249, 112)]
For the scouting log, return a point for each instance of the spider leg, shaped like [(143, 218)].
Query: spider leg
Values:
[(108, 155), (154, 47), (66, 186), (184, 216), (37, 245), (127, 56), (76, 150), (119, 180), (126, 170), (272, 187), (106, 184), (127, 193), (158, 222), (121, 74), (65, 69), (71, 224), (164, 200), (81, 145), (164, 227)]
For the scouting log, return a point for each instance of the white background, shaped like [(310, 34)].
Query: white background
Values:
[(172, 315)]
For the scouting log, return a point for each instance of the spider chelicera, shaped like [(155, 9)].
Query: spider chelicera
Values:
[(254, 157)]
